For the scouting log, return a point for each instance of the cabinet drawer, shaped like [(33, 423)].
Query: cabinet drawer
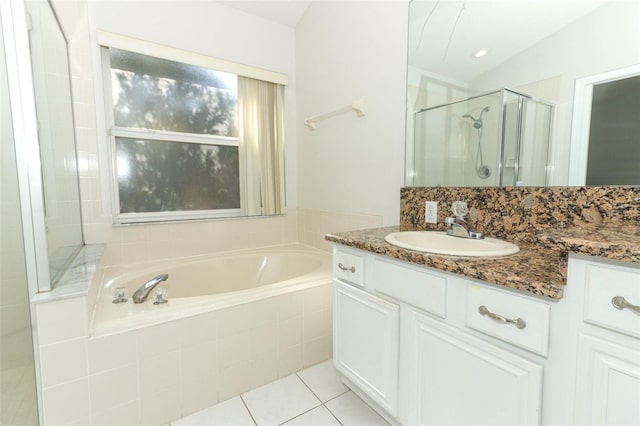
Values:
[(500, 313), (348, 267), (603, 284), (410, 285)]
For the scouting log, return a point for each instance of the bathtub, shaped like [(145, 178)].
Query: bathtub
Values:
[(206, 283)]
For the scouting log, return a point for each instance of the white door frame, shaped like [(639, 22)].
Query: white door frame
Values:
[(581, 122)]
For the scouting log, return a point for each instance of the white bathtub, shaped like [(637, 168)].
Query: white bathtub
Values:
[(205, 283)]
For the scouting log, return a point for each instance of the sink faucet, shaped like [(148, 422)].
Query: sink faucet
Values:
[(142, 293), (458, 226)]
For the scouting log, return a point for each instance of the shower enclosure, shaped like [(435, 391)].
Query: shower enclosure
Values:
[(18, 401), (499, 138)]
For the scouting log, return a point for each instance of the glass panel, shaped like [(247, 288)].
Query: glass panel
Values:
[(153, 93), (17, 376), (480, 122), (56, 135), (439, 161), (511, 134), (534, 146), (458, 143), (160, 176)]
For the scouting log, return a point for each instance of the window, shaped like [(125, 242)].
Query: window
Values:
[(191, 142)]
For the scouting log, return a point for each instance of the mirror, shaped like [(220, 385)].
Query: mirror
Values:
[(468, 49), (56, 135)]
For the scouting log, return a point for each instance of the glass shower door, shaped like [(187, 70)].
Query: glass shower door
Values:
[(441, 162), (18, 403), (534, 143), (526, 136)]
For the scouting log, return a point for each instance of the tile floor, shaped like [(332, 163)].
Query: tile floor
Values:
[(314, 396)]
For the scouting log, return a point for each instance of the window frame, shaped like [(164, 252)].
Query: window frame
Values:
[(106, 40), (139, 217), (160, 135), (114, 131)]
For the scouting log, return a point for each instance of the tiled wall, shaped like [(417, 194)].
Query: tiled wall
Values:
[(157, 374), (96, 223), (139, 243), (313, 225), (516, 213)]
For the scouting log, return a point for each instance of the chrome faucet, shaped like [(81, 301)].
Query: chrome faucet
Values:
[(458, 226), (142, 293)]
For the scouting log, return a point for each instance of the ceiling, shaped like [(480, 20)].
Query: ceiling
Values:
[(286, 12), (444, 34)]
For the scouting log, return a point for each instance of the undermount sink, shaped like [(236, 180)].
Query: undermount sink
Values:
[(441, 243)]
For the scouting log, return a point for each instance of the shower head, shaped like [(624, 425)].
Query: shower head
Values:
[(477, 122)]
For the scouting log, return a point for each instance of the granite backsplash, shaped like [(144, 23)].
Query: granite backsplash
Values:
[(519, 213)]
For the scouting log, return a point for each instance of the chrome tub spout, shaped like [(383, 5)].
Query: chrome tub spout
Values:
[(142, 293)]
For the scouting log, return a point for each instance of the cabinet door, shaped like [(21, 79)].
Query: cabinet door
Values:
[(365, 344), (464, 380), (608, 383)]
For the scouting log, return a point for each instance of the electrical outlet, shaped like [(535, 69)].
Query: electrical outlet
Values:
[(431, 212)]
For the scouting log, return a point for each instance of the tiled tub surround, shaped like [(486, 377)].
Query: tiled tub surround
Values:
[(153, 375), (156, 374), (546, 223), (199, 284)]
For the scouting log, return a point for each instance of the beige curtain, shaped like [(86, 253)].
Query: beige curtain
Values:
[(261, 146)]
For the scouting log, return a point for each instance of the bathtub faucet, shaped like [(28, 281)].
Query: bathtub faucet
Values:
[(142, 293)]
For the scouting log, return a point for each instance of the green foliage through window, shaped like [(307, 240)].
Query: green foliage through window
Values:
[(177, 170), (159, 176)]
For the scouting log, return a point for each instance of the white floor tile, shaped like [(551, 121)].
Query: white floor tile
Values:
[(231, 412), (319, 416), (323, 380), (282, 400), (352, 411)]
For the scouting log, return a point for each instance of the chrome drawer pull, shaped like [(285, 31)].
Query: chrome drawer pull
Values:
[(518, 322), (344, 268), (620, 302)]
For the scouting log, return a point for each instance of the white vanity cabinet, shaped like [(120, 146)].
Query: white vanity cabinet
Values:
[(435, 348), (451, 366), (463, 380), (608, 385), (366, 335)]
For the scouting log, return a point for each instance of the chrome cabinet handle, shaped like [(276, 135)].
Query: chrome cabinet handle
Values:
[(620, 303), (344, 268), (518, 322)]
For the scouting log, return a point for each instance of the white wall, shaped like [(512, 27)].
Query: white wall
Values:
[(345, 50)]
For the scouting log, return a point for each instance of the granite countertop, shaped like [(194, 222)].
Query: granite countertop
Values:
[(618, 241), (539, 268)]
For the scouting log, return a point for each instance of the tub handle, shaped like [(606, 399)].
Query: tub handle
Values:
[(344, 268)]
